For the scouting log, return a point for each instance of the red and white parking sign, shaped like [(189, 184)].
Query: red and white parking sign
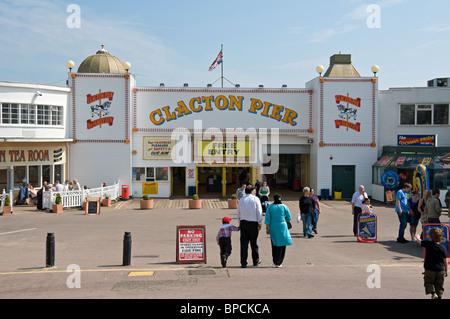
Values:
[(191, 244)]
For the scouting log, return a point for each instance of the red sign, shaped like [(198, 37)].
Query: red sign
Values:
[(191, 244)]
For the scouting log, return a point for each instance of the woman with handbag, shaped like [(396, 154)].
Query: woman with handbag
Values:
[(277, 222)]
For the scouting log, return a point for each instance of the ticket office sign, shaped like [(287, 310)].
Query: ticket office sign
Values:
[(367, 228), (191, 244)]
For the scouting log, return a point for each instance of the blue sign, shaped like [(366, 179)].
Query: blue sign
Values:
[(417, 140), (390, 180), (367, 228), (444, 228)]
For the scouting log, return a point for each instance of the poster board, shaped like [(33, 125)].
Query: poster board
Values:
[(367, 228), (191, 244), (445, 234), (92, 206)]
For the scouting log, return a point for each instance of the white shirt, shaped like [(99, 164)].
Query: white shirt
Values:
[(249, 208), (358, 198)]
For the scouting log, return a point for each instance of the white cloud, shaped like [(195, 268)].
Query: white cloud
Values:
[(324, 35), (35, 32), (437, 28)]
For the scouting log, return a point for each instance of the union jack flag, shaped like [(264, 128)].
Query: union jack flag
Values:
[(217, 61)]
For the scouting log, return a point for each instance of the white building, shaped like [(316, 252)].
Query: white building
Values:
[(179, 141), (34, 140), (416, 131), (322, 136)]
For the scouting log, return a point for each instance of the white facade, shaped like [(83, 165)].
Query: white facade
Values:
[(345, 133), (390, 101), (34, 140), (424, 126), (100, 127)]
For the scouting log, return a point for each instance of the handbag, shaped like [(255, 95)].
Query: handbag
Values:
[(289, 225)]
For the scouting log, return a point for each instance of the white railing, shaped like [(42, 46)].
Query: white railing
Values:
[(3, 196), (78, 197)]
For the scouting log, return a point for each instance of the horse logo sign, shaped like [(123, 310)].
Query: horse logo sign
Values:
[(99, 109), (347, 113)]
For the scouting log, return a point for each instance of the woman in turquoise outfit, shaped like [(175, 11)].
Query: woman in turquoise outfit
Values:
[(277, 216)]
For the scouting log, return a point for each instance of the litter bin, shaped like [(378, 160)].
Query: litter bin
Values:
[(324, 194), (191, 191), (337, 194), (125, 192)]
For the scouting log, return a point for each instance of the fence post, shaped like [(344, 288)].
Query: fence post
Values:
[(11, 196)]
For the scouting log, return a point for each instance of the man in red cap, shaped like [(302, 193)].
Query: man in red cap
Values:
[(223, 239)]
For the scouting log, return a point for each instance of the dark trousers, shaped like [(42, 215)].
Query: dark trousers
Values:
[(225, 246), (356, 211), (249, 234), (278, 253), (434, 282)]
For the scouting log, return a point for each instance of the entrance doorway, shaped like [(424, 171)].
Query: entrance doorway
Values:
[(221, 181), (291, 174), (179, 181), (343, 179)]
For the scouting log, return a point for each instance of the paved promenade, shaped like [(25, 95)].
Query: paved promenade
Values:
[(330, 265)]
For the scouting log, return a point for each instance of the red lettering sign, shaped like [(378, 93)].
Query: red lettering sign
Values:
[(104, 120), (191, 244)]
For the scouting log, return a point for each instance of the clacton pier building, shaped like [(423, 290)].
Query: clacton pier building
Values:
[(169, 141)]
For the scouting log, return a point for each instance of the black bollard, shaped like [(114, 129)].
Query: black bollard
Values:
[(127, 249), (50, 250)]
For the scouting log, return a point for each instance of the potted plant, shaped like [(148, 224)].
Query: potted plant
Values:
[(195, 203), (233, 202), (106, 201), (57, 207), (7, 206), (146, 202)]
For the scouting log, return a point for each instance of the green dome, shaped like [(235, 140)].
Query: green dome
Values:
[(101, 62)]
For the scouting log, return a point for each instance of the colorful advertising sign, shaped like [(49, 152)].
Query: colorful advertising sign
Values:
[(191, 244), (346, 112), (367, 228), (417, 140), (224, 108), (158, 148), (445, 233)]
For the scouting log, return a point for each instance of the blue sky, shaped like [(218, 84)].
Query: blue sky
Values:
[(265, 42)]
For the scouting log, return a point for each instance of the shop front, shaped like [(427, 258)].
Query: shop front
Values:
[(210, 141), (404, 160), (32, 163)]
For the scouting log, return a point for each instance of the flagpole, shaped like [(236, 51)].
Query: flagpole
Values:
[(221, 64)]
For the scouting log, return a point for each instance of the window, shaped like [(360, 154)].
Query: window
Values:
[(162, 173), (150, 174), (10, 113), (56, 115), (20, 176), (407, 114), (424, 114), (440, 114), (30, 114), (139, 174)]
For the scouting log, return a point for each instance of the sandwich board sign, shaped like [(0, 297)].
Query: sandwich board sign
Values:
[(445, 234), (367, 228), (191, 244), (92, 206)]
